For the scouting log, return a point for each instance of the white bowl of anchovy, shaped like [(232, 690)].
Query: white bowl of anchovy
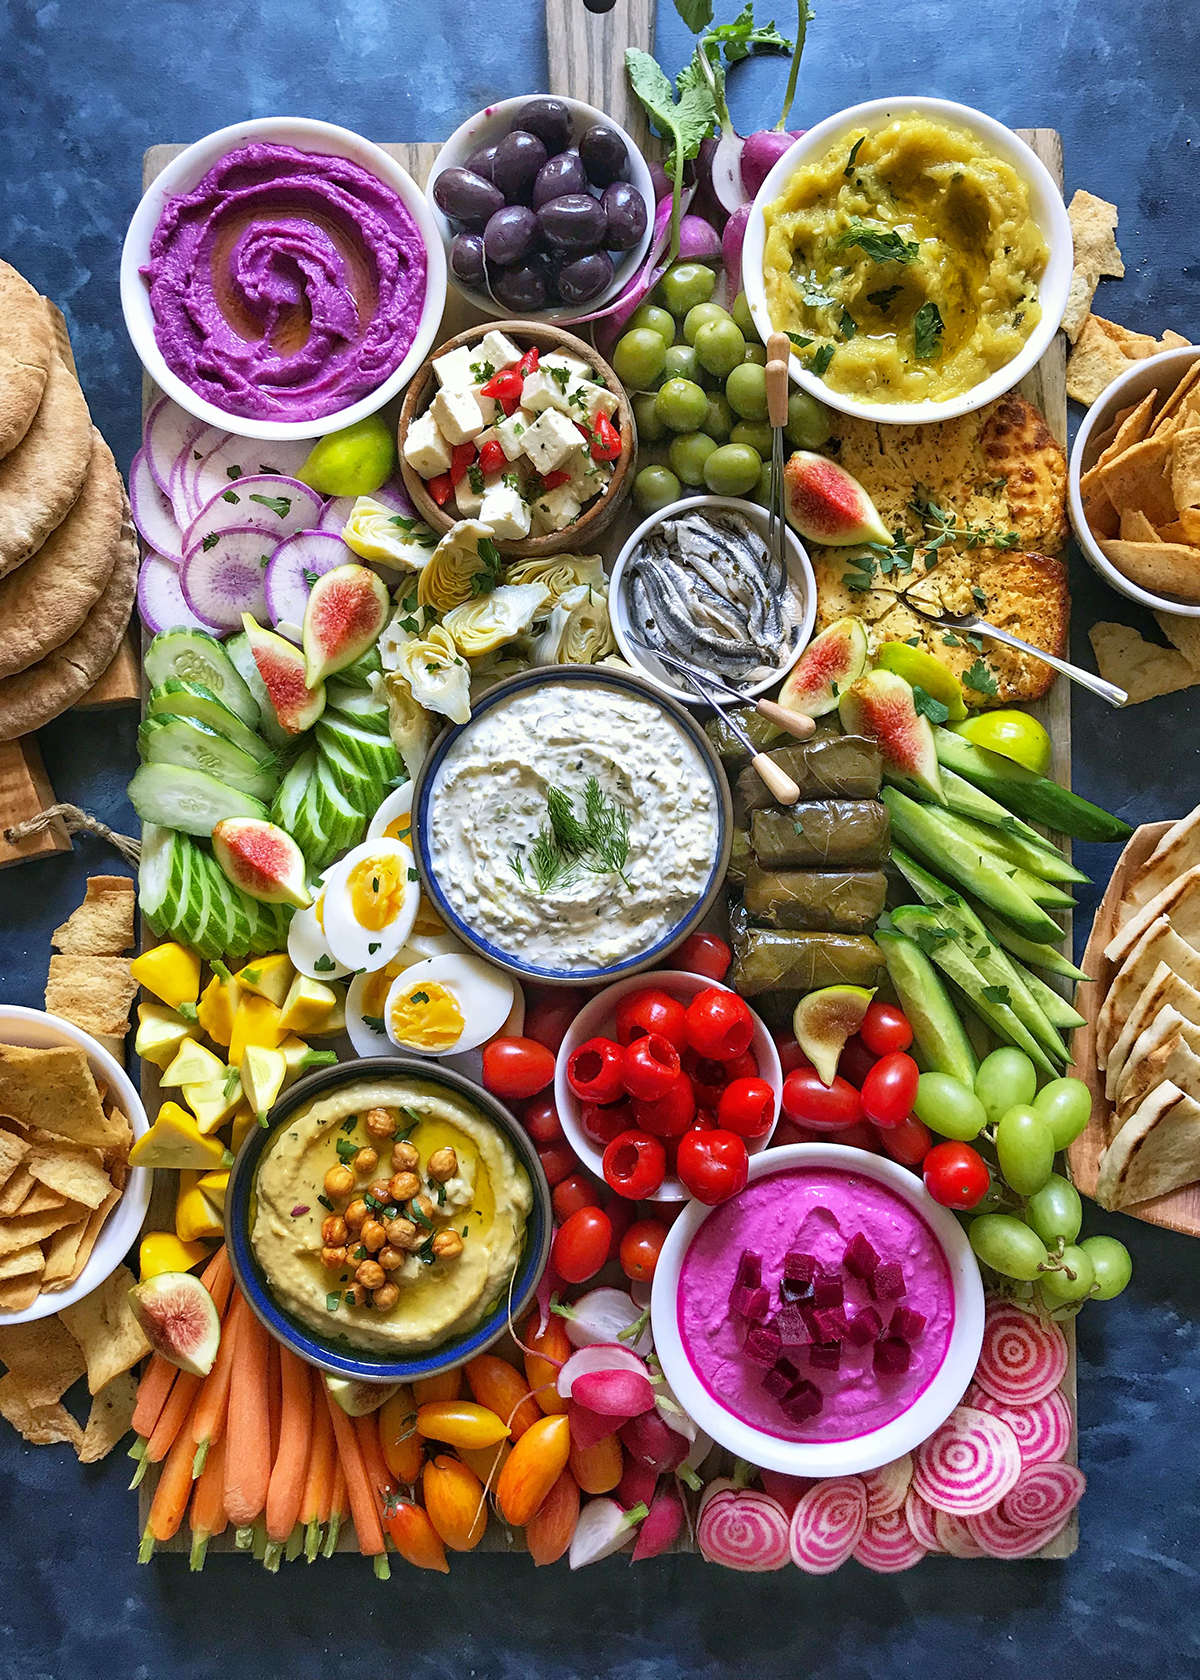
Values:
[(698, 579)]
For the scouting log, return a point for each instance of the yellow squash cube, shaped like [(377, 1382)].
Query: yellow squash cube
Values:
[(217, 1008), (213, 1100), (244, 1121), (256, 1022), (214, 1186), (335, 1021), (176, 1140), (161, 1032), (162, 1251), (268, 976), (171, 972), (196, 1218), (308, 1005), (263, 1074), (193, 1065)]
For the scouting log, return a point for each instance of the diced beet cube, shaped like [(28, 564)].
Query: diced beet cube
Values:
[(892, 1356), (799, 1268), (804, 1401), (860, 1259), (780, 1378), (792, 1328), (750, 1303), (829, 1324), (790, 1291), (826, 1355), (828, 1290), (762, 1344), (749, 1272), (887, 1281), (809, 1314), (864, 1327), (906, 1324)]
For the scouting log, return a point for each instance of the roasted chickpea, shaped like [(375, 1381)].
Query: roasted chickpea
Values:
[(447, 1245), (405, 1157), (356, 1213), (369, 1274), (333, 1257), (404, 1186), (385, 1297), (339, 1181), (365, 1161), (378, 1190), (403, 1233), (443, 1164), (372, 1235), (333, 1229), (357, 1295), (390, 1258), (426, 1207), (380, 1124)]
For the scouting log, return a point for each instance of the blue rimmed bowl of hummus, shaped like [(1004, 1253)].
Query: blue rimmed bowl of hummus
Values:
[(282, 278), (577, 828), (389, 1221)]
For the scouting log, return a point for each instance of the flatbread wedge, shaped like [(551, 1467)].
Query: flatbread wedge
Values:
[(1173, 1060), (1180, 900), (1164, 987), (1159, 944), (1156, 1151)]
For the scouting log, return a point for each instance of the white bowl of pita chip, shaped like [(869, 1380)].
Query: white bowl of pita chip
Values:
[(70, 1205)]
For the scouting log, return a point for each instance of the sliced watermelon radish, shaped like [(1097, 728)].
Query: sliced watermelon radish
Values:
[(1043, 1429), (160, 601), (954, 1536), (296, 564), (1023, 1357), (240, 457), (999, 1537), (742, 1528), (335, 514), (226, 579), (152, 511), (1044, 1493), (828, 1524), (392, 496), (888, 1545), (281, 506), (168, 431), (887, 1486), (968, 1464), (920, 1516), (181, 485), (600, 1356)]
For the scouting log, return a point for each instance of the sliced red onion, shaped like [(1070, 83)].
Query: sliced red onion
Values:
[(968, 1464), (603, 1528), (168, 432), (160, 601), (295, 565), (888, 1545), (920, 1516), (732, 241), (1023, 1358), (227, 579), (1044, 1494), (1043, 1429), (279, 506), (742, 1528), (152, 511), (999, 1537), (954, 1536), (888, 1486), (661, 1525), (618, 1394), (760, 153), (828, 1524)]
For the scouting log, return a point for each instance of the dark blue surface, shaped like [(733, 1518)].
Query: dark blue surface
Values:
[(86, 86)]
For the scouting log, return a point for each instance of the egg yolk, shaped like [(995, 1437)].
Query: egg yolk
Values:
[(428, 923), (374, 993), (377, 891), (428, 1017), (400, 828), (319, 912)]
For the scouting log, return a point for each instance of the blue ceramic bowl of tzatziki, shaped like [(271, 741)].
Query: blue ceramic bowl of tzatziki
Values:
[(577, 828)]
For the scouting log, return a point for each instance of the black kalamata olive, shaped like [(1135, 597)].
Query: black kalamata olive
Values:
[(510, 234), (515, 167), (584, 278), (481, 160), (466, 258), (604, 155), (521, 288), (627, 215), (466, 198), (574, 222), (562, 174), (549, 119)]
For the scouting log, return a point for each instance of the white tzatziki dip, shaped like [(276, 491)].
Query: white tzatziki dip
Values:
[(503, 866)]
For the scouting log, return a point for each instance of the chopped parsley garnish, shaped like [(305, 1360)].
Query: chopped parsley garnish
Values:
[(349, 1125), (928, 328), (325, 1203), (413, 1115), (799, 340), (323, 964), (414, 874), (418, 1214), (482, 583), (980, 678), (820, 362), (346, 1150), (999, 995), (979, 597), (950, 640), (210, 541), (927, 706), (475, 478), (419, 997), (848, 326), (280, 506), (854, 151), (375, 1022), (481, 372), (423, 536), (441, 1194), (310, 578), (233, 472), (879, 244), (883, 298), (231, 496), (373, 947), (561, 377), (332, 1301), (929, 938)]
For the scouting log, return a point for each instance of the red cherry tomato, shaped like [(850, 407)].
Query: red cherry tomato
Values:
[(606, 441), (595, 1071), (651, 1011), (719, 1024), (885, 1028), (528, 362), (712, 1166), (855, 1061), (547, 1020), (955, 1175), (808, 1101), (581, 1245), (602, 1121), (705, 1121), (552, 480), (573, 1193), (671, 1115), (492, 458), (621, 1216), (708, 1078), (744, 1066), (791, 1056), (440, 488), (516, 1067), (461, 456), (505, 386), (908, 1143), (635, 1164), (558, 1161), (703, 953), (651, 1067), (747, 1107), (862, 1136), (541, 1120), (641, 1247), (890, 1089)]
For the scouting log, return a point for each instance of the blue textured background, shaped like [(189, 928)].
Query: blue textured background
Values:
[(86, 86)]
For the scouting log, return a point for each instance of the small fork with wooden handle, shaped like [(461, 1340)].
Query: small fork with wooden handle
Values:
[(778, 351)]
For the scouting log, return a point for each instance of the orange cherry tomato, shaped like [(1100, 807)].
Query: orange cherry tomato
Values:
[(448, 1386), (403, 1450), (502, 1389), (549, 1530), (461, 1423), (597, 1468), (487, 1462), (542, 1373), (455, 1502), (534, 1465), (414, 1536)]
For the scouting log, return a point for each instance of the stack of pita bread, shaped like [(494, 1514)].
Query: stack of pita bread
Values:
[(1148, 1031), (68, 554)]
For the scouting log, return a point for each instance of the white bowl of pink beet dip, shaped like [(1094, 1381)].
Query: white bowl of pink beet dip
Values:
[(823, 1321)]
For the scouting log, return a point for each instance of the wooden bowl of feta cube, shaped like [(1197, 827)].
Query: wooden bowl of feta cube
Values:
[(523, 427)]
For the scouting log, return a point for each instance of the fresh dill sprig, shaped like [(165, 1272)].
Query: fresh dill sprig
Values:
[(568, 845)]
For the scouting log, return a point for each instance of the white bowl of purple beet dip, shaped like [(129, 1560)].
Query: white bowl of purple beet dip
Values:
[(825, 1320), (282, 278)]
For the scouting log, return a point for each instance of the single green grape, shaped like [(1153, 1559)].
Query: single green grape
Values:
[(655, 488), (686, 284), (1072, 1279), (995, 1199), (639, 358), (689, 453), (732, 470), (654, 319), (808, 422), (720, 347), (1005, 1078), (756, 353), (1055, 1211), (699, 316), (1066, 1107), (1112, 1267), (1025, 1149), (1007, 1245), (754, 432), (718, 421), (681, 404), (741, 314), (746, 389), (949, 1107), (649, 427), (762, 490), (681, 363)]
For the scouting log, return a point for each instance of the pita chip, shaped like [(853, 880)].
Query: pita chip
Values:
[(43, 1358), (61, 1250), (102, 926), (1179, 899), (1144, 670), (54, 1089), (1174, 1060), (1094, 363), (105, 1328), (1176, 400), (110, 1418), (13, 1150), (1129, 427), (91, 1231), (76, 1174), (1094, 232), (1164, 988), (1137, 478), (1157, 1150), (41, 1199), (1185, 467), (1163, 568), (1166, 1024), (41, 1426), (1177, 852), (1102, 517), (1183, 633), (93, 992), (25, 1262), (19, 1185), (21, 1229)]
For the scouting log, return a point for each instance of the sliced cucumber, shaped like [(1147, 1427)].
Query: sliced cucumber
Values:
[(1045, 862), (154, 872), (1028, 951), (186, 741), (267, 723), (269, 929), (1036, 798), (340, 817), (291, 791), (360, 785), (194, 656), (373, 750), (359, 674), (1055, 1008), (193, 917), (190, 800), (360, 705), (178, 698), (939, 1036), (222, 913), (310, 834), (966, 800)]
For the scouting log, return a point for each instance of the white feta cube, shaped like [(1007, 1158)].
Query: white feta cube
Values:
[(542, 391), (585, 397), (550, 440), (488, 435), (588, 477), (498, 349), (506, 511), (555, 509), (488, 406), (468, 500), (454, 369), (511, 432), (574, 365), (457, 415), (425, 449)]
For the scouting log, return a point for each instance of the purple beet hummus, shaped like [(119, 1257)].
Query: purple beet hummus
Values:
[(287, 284)]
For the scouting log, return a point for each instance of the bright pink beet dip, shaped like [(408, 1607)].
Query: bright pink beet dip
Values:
[(816, 1210)]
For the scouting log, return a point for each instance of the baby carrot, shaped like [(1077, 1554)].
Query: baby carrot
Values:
[(318, 1485), (152, 1394), (212, 1408), (217, 1278), (274, 1395), (289, 1470), (248, 1447), (171, 1418), (170, 1497), (208, 1504), (363, 1504), (383, 1483), (339, 1502)]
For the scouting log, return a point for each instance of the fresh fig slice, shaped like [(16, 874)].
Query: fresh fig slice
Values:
[(225, 576), (829, 664), (281, 667), (822, 1023), (347, 609), (234, 458), (295, 566), (357, 1397), (152, 511), (262, 860), (828, 505), (160, 601), (882, 707), (179, 1319), (279, 506)]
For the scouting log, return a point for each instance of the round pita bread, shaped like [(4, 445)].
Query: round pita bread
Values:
[(26, 346), (42, 476), (45, 601), (32, 697)]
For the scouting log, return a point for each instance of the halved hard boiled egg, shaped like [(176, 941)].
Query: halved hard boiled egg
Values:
[(306, 943), (447, 1004), (370, 903), (365, 1003), (393, 819)]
